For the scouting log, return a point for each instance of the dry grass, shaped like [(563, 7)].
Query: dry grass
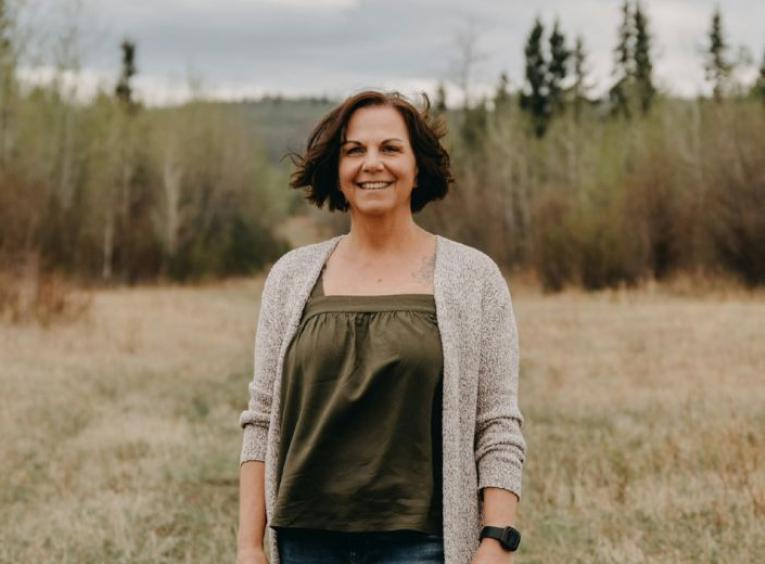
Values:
[(644, 415), (45, 299)]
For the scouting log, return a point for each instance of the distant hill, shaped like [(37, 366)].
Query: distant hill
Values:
[(283, 123)]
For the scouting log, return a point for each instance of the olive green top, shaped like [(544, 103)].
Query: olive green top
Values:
[(361, 416)]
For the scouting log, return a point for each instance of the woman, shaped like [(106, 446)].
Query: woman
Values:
[(383, 422)]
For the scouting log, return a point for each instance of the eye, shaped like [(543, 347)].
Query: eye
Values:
[(392, 148), (352, 150)]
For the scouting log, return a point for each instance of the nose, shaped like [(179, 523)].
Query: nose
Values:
[(372, 162)]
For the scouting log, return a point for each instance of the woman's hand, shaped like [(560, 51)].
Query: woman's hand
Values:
[(491, 552), (251, 556)]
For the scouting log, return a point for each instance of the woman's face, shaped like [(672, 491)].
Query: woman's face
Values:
[(377, 167)]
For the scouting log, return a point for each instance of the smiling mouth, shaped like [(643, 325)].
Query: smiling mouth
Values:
[(373, 185)]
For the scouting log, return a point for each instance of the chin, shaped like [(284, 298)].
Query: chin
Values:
[(375, 208)]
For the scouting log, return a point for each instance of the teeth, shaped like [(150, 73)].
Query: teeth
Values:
[(374, 185)]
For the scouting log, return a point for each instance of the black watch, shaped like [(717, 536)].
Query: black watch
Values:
[(508, 537)]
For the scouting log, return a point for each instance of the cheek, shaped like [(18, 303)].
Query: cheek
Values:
[(346, 171), (408, 168)]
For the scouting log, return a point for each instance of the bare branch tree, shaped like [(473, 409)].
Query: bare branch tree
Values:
[(467, 56)]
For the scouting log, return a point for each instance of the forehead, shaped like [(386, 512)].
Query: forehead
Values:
[(376, 122)]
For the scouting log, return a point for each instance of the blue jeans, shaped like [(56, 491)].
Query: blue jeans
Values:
[(305, 546)]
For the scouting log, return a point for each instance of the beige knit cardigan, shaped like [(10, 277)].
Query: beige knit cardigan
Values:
[(482, 440)]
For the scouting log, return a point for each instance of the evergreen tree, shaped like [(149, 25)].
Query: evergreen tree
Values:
[(440, 102), (580, 87), (642, 61), (502, 96), (624, 71), (124, 90), (759, 87), (7, 57), (536, 102), (127, 191), (558, 69), (7, 79), (717, 67), (625, 47)]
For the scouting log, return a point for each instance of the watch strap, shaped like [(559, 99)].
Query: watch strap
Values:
[(508, 537)]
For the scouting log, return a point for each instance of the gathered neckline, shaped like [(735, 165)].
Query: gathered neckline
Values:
[(372, 297)]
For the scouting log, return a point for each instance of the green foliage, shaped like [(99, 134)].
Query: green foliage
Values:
[(623, 65), (439, 106), (115, 191), (600, 202), (737, 195), (643, 63), (580, 88), (558, 69), (633, 86), (717, 66), (124, 90), (536, 101), (8, 81), (625, 59), (758, 89)]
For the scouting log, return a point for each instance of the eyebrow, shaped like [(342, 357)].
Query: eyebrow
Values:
[(360, 143)]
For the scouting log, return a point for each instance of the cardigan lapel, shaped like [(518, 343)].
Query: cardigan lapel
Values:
[(447, 319), (300, 288)]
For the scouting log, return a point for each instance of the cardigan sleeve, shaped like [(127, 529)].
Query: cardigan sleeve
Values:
[(255, 419), (500, 448)]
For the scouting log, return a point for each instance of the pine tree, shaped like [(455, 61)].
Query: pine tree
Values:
[(624, 72), (7, 79), (124, 90), (537, 102), (580, 87), (642, 61), (6, 44), (717, 67), (558, 69), (118, 229), (440, 102), (758, 89)]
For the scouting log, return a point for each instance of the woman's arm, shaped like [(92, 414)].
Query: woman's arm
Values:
[(255, 422), (252, 512), (500, 448)]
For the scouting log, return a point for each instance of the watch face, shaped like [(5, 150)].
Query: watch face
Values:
[(508, 537), (511, 538)]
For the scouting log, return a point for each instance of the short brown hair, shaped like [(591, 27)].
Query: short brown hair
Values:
[(317, 169)]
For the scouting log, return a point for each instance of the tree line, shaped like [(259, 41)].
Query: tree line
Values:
[(112, 191), (591, 192), (632, 185)]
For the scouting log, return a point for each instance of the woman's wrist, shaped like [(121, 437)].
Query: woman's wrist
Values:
[(248, 547)]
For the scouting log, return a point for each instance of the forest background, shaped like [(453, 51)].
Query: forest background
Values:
[(632, 186)]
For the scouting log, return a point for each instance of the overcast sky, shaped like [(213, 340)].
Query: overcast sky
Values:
[(235, 48)]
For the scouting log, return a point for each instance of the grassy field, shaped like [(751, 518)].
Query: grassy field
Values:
[(644, 410)]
